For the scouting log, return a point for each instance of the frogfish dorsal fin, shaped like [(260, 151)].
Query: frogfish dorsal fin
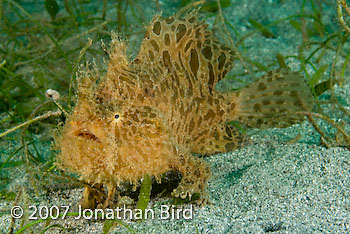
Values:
[(182, 43)]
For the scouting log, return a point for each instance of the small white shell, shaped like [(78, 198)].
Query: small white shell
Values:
[(52, 94)]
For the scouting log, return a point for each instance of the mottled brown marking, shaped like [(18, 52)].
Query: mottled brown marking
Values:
[(210, 115), (216, 135), (280, 102), (197, 33), (190, 88), (278, 92), (211, 77), (207, 52), (166, 39), (227, 138), (181, 110), (233, 106), (221, 60), (157, 27), (228, 131), (223, 47), (176, 77), (191, 125), (175, 95), (166, 58), (199, 122), (266, 102), (155, 45), (199, 44), (262, 86), (182, 93), (188, 45), (293, 93), (230, 146), (133, 128), (260, 122), (169, 20), (257, 107), (140, 97), (181, 30), (282, 110), (298, 102), (194, 63), (251, 97)]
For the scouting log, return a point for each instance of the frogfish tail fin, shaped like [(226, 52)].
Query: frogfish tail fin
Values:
[(274, 100)]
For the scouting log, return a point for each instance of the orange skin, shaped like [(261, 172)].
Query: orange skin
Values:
[(104, 150)]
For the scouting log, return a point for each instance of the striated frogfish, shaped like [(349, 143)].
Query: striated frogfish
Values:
[(148, 115)]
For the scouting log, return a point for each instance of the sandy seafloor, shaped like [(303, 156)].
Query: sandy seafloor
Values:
[(267, 185)]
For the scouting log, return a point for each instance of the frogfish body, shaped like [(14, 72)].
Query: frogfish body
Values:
[(147, 116)]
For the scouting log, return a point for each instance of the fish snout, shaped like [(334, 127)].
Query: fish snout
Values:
[(82, 131)]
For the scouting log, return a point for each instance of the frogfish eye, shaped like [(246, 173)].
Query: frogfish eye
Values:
[(117, 117)]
